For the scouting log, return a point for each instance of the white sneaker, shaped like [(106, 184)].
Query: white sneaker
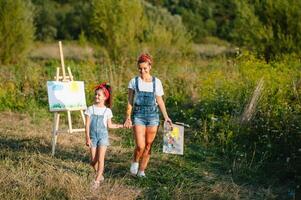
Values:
[(134, 168), (141, 174)]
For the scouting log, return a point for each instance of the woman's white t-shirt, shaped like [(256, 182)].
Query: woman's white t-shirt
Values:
[(107, 112), (147, 86)]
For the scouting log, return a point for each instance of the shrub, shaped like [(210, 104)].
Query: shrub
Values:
[(16, 29)]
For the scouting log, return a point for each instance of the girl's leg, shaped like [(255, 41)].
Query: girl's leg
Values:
[(101, 158), (150, 135), (94, 156), (139, 133)]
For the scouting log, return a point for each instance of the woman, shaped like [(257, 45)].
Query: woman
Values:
[(144, 96)]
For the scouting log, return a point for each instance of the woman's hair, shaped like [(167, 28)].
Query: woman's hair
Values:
[(106, 88), (145, 57)]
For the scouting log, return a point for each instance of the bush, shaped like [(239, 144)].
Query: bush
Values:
[(16, 29), (117, 26)]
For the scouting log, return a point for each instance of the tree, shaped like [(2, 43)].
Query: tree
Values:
[(117, 25), (270, 27), (45, 20), (16, 29), (165, 34)]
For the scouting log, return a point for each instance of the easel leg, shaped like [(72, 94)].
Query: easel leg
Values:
[(69, 121), (83, 116), (55, 131)]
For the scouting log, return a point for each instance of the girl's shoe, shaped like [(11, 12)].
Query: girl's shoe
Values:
[(141, 174), (101, 179), (134, 168), (95, 185)]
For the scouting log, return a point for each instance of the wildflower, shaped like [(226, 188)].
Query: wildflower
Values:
[(214, 118)]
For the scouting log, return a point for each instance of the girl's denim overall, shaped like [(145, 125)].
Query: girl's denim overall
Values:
[(98, 131), (145, 108)]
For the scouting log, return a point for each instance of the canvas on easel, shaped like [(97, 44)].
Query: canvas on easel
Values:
[(65, 95)]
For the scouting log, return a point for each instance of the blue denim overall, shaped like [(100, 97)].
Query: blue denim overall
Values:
[(145, 108), (98, 131)]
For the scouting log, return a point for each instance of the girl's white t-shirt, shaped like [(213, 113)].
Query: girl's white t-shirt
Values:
[(147, 86), (107, 112)]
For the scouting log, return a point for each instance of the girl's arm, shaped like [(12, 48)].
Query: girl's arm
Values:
[(111, 125), (88, 141), (128, 121), (162, 107)]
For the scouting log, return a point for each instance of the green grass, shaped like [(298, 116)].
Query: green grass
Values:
[(28, 171)]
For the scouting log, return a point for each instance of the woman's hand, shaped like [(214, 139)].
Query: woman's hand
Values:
[(168, 120), (128, 123)]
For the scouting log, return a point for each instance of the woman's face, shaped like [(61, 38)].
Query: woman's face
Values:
[(144, 68)]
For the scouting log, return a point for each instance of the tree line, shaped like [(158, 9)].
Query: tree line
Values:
[(268, 27)]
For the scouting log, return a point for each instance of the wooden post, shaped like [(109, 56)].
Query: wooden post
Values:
[(83, 116), (62, 61), (69, 121), (55, 131)]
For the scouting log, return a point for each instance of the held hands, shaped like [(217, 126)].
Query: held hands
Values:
[(128, 123)]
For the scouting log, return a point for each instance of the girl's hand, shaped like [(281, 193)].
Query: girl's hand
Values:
[(128, 123), (88, 142)]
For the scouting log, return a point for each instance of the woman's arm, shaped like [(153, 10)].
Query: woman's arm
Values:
[(88, 141), (162, 107), (128, 121), (112, 125)]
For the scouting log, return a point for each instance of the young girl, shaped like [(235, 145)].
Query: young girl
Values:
[(98, 119)]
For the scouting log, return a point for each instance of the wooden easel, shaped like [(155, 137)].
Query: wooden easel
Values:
[(63, 78)]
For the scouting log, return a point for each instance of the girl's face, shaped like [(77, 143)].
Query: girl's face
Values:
[(144, 68), (99, 96)]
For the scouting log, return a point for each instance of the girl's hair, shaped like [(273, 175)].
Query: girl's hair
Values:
[(106, 88), (145, 57)]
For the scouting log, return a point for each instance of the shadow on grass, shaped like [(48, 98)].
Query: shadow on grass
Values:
[(169, 176), (21, 149), (19, 146)]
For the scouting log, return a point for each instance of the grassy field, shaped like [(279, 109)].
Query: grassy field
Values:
[(225, 157), (28, 171)]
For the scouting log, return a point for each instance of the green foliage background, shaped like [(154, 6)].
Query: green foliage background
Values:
[(209, 94)]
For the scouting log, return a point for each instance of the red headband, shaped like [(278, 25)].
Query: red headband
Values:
[(145, 58), (104, 89)]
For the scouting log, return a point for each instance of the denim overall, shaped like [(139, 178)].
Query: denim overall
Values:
[(98, 131), (145, 108)]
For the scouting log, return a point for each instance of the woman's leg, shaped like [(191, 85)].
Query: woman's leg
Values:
[(101, 159), (150, 135), (139, 133), (94, 156)]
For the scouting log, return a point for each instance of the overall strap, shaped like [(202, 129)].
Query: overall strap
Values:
[(136, 83), (104, 111), (154, 84), (93, 109)]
